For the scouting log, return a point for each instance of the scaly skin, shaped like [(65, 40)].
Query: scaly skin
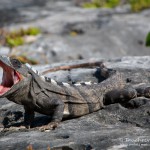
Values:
[(60, 100)]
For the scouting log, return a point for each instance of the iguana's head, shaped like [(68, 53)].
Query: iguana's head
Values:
[(13, 72)]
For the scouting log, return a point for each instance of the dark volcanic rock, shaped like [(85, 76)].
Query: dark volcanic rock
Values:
[(114, 127)]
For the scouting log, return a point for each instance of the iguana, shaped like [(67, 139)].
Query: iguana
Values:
[(24, 86)]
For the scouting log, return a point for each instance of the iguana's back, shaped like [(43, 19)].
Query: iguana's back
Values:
[(85, 99)]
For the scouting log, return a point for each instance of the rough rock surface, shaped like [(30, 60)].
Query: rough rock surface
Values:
[(114, 127), (70, 32)]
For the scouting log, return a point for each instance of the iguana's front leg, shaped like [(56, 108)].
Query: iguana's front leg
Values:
[(28, 117), (57, 115)]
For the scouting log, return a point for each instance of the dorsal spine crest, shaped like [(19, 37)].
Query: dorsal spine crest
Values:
[(47, 79)]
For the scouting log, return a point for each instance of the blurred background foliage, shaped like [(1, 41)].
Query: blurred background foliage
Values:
[(18, 37), (101, 3), (136, 5)]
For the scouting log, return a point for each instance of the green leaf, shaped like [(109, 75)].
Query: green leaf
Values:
[(148, 40)]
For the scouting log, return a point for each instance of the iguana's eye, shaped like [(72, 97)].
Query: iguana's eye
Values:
[(16, 63)]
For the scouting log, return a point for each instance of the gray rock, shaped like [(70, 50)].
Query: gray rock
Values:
[(4, 50), (100, 33)]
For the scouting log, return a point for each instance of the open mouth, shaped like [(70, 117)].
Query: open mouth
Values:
[(10, 77)]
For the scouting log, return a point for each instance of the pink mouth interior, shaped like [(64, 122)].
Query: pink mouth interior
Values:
[(10, 77)]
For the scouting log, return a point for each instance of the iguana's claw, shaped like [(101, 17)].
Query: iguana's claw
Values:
[(50, 126), (14, 129)]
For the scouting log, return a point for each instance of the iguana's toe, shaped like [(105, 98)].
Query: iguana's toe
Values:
[(50, 126)]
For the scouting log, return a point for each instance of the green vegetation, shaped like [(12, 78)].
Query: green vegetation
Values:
[(24, 59), (101, 3), (14, 41), (31, 31), (16, 38), (19, 37), (137, 5), (148, 40)]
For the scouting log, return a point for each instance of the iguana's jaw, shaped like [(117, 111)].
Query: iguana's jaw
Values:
[(10, 78)]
